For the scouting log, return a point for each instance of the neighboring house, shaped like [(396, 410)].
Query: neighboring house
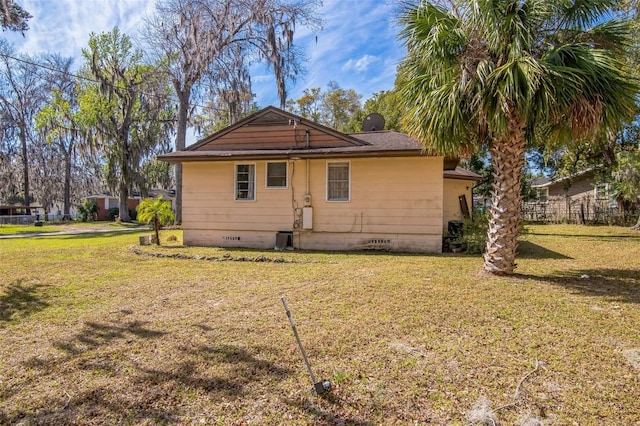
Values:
[(166, 194), (577, 198), (106, 201), (275, 179)]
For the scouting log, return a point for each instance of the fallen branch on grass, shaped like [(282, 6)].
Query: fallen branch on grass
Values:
[(516, 394), (482, 414), (64, 407)]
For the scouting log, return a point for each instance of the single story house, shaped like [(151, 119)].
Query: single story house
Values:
[(581, 185), (577, 198), (275, 179), (107, 201)]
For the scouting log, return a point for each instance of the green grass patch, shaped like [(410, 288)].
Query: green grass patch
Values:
[(93, 332), (49, 227), (26, 229)]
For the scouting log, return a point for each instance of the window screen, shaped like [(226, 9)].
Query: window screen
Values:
[(245, 182), (338, 181), (277, 175), (543, 194)]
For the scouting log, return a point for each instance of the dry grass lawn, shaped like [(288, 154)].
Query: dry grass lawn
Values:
[(93, 333)]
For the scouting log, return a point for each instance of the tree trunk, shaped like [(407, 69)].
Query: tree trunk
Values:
[(507, 158), (124, 203), (181, 136), (25, 172), (67, 187), (636, 227)]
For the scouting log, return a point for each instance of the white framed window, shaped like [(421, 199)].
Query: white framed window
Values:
[(542, 194), (112, 203), (276, 174), (602, 191), (338, 181), (245, 182)]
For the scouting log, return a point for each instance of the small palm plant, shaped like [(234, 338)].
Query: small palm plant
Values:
[(156, 210)]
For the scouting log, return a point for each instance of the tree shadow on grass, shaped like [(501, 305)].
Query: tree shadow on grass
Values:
[(241, 357), (98, 405), (529, 250), (239, 368), (94, 234), (616, 285), (603, 238), (88, 356), (21, 299), (143, 389), (95, 334), (326, 416)]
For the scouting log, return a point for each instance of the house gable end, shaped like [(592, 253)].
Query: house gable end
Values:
[(272, 128)]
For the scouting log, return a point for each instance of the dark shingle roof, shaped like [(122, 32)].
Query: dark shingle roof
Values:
[(388, 140), (460, 173), (382, 143)]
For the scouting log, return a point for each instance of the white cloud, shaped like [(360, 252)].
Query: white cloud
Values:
[(357, 47), (63, 26), (359, 65), (261, 78)]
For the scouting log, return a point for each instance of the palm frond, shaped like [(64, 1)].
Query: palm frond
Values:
[(583, 14)]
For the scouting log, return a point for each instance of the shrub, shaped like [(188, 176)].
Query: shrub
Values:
[(88, 210), (113, 213), (473, 238)]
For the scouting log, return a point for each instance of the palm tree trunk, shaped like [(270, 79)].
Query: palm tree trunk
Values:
[(156, 228), (507, 158)]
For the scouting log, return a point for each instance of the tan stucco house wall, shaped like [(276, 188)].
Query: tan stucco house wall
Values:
[(394, 204), (452, 190), (393, 195)]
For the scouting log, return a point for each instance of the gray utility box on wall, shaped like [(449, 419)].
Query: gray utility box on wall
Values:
[(307, 218)]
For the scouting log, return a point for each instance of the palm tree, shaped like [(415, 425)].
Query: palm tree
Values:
[(156, 210), (499, 73)]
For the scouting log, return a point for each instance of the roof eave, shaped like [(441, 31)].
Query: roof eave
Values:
[(185, 157), (462, 177)]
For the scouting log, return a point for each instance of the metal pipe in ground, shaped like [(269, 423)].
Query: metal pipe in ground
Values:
[(319, 386)]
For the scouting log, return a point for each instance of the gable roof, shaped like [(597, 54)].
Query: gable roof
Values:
[(276, 134), (547, 182), (272, 117)]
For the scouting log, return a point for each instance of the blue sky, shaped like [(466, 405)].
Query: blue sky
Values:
[(358, 46)]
